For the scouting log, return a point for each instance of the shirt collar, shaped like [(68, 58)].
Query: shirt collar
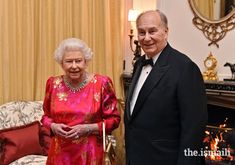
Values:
[(154, 58)]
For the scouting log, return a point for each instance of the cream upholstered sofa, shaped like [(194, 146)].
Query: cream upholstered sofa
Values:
[(23, 140)]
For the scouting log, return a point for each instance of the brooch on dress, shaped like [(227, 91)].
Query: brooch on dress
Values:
[(62, 96), (57, 82)]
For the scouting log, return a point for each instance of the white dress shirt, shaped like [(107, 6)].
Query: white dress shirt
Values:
[(143, 76)]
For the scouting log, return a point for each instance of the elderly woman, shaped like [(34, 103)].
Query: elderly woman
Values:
[(75, 106)]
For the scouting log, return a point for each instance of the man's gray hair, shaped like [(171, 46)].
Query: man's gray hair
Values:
[(163, 17)]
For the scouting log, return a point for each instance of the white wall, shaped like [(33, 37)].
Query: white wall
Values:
[(140, 5), (185, 37)]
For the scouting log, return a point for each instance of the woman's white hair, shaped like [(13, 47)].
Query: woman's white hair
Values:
[(72, 44)]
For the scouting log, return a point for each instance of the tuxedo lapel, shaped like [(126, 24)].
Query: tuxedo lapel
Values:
[(152, 80), (135, 78), (159, 69)]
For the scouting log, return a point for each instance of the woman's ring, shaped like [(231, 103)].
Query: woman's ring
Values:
[(77, 136)]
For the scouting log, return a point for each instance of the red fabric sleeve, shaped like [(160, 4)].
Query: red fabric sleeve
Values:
[(46, 118), (110, 113)]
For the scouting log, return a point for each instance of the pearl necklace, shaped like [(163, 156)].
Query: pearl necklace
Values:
[(77, 88)]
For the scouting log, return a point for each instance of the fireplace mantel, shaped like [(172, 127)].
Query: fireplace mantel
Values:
[(221, 93)]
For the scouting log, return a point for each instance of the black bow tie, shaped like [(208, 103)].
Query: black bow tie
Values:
[(147, 62)]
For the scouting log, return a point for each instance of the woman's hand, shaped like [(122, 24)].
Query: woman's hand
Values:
[(82, 130), (60, 129), (77, 131)]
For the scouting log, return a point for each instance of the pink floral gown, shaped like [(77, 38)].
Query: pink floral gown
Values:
[(92, 104)]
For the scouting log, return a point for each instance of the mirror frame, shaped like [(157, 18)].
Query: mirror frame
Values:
[(213, 30)]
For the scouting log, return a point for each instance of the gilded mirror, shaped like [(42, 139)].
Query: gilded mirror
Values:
[(214, 18)]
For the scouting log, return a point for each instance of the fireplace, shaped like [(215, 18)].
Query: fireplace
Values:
[(220, 132)]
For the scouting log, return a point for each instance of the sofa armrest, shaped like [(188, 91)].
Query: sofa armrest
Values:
[(18, 113), (31, 160)]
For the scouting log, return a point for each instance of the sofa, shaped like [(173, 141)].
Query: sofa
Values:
[(23, 139)]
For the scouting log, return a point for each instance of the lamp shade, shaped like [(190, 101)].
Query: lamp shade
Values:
[(132, 15)]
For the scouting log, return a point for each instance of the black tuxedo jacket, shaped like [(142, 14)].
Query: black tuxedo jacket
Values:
[(170, 113)]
